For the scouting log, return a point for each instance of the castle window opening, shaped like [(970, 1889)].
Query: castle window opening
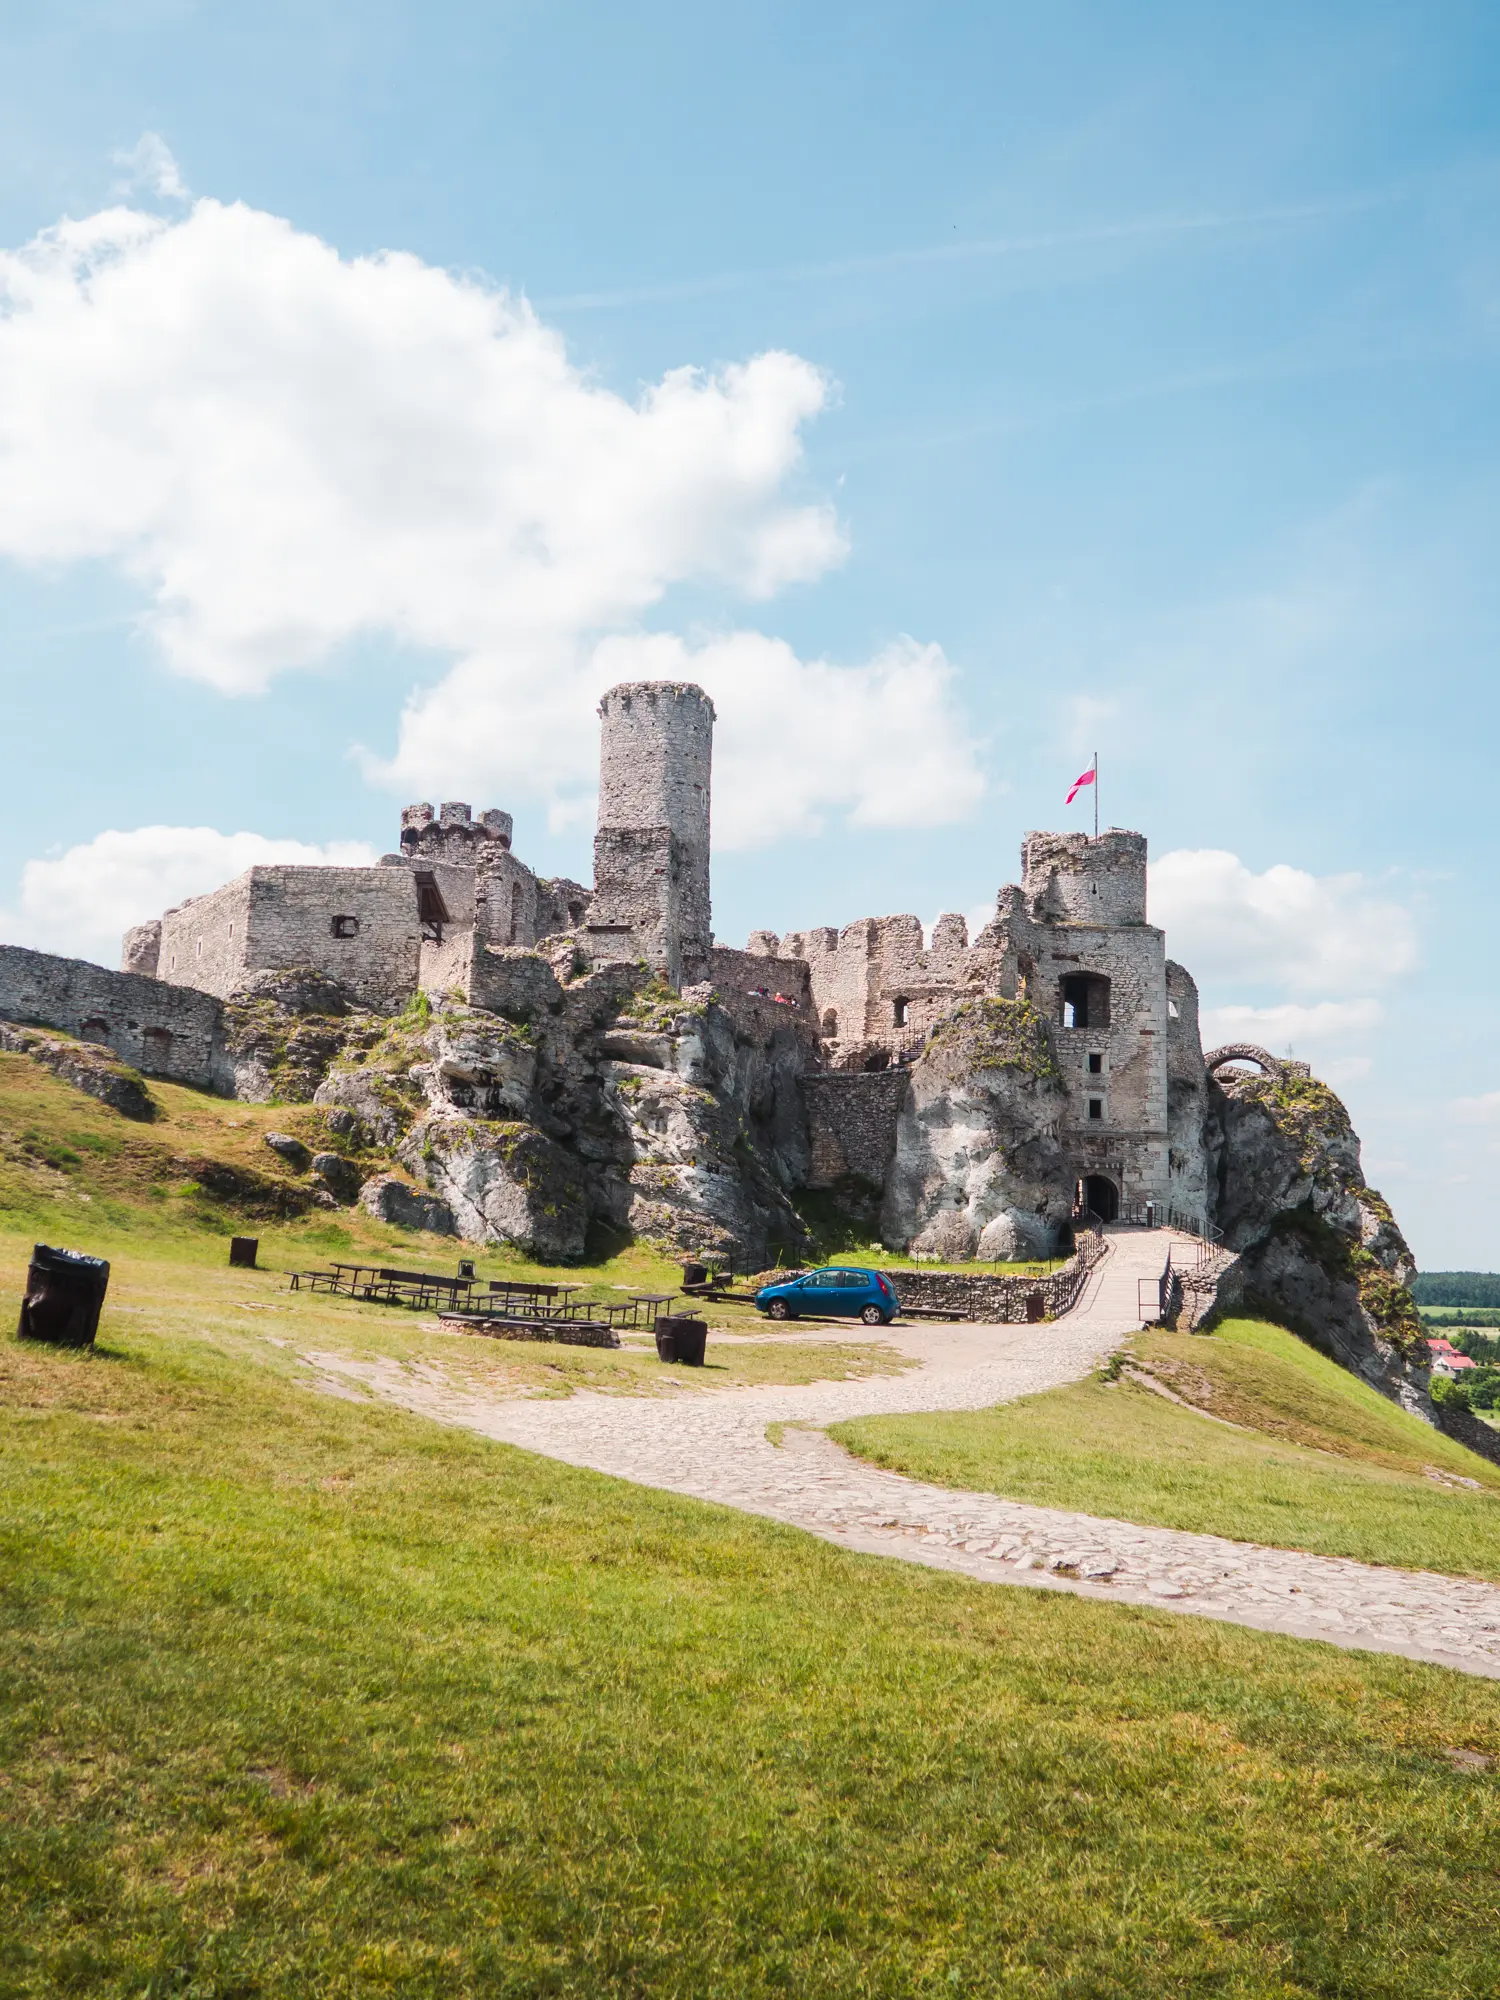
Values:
[(1096, 1107), (1174, 1012), (1096, 1063), (1084, 1000), (96, 1030), (345, 927), (900, 1009), (830, 1021), (515, 912), (158, 1043)]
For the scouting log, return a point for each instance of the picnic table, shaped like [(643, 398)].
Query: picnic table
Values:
[(532, 1302), (554, 1305), (380, 1284)]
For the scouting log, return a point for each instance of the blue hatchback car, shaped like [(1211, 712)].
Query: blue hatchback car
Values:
[(865, 1295)]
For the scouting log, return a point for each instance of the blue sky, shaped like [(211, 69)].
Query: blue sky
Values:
[(1144, 398)]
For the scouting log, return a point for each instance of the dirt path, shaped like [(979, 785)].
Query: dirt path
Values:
[(715, 1446)]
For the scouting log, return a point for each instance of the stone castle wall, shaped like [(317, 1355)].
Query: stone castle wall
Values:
[(358, 926), (874, 980), (1128, 1141), (173, 1032), (747, 985), (206, 942), (852, 1119), (1073, 932)]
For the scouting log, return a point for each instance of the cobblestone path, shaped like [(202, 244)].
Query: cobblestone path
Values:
[(714, 1446)]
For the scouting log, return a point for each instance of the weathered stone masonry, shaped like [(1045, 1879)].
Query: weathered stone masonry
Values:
[(167, 1031)]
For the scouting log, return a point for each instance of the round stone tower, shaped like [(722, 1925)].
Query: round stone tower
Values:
[(651, 850), (1071, 878)]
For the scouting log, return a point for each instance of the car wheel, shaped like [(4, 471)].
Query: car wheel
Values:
[(873, 1316), (778, 1309)]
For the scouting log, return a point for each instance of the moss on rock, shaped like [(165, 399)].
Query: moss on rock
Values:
[(998, 1034)]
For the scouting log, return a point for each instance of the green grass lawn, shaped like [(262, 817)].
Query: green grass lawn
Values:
[(305, 1697), (1316, 1459)]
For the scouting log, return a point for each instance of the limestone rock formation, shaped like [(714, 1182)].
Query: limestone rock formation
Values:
[(503, 1181), (604, 1098), (97, 1072), (977, 1156), (1316, 1249), (392, 1200)]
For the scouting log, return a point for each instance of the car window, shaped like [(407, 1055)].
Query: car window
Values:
[(845, 1279)]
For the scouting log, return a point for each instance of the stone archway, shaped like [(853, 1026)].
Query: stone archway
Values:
[(1102, 1196), (1243, 1052)]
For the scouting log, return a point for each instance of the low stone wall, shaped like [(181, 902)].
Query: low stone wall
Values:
[(174, 1032), (1003, 1299), (1199, 1291), (568, 1333)]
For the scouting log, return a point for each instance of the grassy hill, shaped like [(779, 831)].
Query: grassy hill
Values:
[(1302, 1455), (301, 1695)]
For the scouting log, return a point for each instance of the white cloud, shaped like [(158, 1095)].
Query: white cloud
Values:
[(1310, 935), (1329, 1024), (800, 741), (1483, 1110), (1324, 1035), (149, 165), (286, 450), (81, 902)]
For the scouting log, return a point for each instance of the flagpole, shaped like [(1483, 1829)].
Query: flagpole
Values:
[(1096, 795)]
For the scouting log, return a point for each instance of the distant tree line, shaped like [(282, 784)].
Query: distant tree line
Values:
[(1456, 1288)]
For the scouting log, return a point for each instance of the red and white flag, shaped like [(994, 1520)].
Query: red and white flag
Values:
[(1079, 783)]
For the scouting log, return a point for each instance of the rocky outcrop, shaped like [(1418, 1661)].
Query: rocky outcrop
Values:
[(391, 1200), (977, 1155), (94, 1070), (1316, 1249), (576, 1099), (504, 1181), (283, 1031)]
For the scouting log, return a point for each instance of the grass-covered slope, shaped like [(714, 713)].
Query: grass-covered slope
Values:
[(1304, 1456), (75, 1171), (300, 1696)]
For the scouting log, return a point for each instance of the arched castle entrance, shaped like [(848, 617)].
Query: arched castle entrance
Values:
[(1102, 1196)]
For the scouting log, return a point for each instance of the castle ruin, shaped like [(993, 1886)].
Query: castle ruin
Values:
[(863, 1009)]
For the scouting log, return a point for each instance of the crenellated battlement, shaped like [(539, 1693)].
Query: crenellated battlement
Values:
[(453, 834)]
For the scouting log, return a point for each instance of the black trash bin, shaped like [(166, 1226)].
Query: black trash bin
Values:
[(243, 1251), (64, 1294), (680, 1337)]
